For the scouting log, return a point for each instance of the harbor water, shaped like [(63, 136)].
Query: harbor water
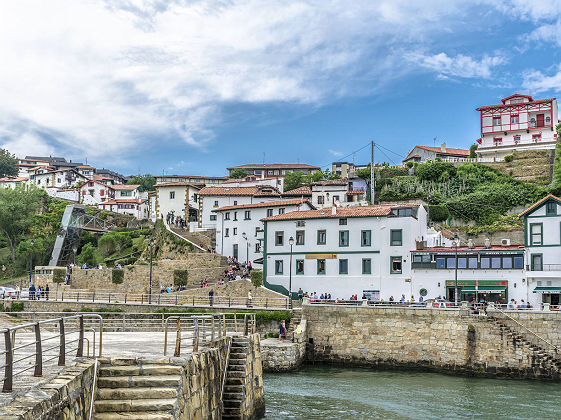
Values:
[(328, 392)]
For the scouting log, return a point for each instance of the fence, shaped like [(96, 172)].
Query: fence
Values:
[(33, 347), (173, 299)]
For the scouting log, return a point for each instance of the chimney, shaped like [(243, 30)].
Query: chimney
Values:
[(443, 147), (471, 245), (333, 210), (487, 243)]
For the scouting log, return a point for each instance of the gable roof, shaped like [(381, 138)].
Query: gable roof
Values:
[(129, 187), (341, 212), (503, 105), (266, 204), (448, 150), (303, 190), (538, 204), (179, 184), (517, 95)]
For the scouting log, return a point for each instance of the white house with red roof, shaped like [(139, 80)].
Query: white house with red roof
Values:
[(337, 192), (43, 177), (518, 123), (13, 181), (239, 230), (424, 153), (137, 207), (93, 192)]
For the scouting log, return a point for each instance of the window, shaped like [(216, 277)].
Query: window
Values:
[(366, 266), (270, 172), (247, 215), (216, 203), (537, 262), (451, 262), (171, 195), (396, 237), (462, 262), (343, 238), (395, 265), (320, 199), (496, 120), (299, 266), (235, 216), (235, 203), (551, 208), (281, 210), (321, 266), (301, 223), (536, 138), (279, 238), (516, 139), (343, 266), (518, 262), (514, 118), (440, 262), (257, 247), (278, 266), (497, 141), (335, 198), (408, 212), (58, 180), (321, 237), (276, 172), (213, 217), (269, 212), (227, 216), (299, 237), (472, 262), (507, 262), (496, 262), (536, 234), (365, 238), (226, 232), (235, 231), (485, 262), (342, 222)]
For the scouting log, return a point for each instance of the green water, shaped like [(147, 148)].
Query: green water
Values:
[(326, 392)]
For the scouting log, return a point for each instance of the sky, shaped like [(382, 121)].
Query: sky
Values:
[(194, 86)]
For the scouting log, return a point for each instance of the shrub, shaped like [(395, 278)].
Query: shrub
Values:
[(58, 275), (438, 213), (88, 256), (67, 310), (117, 276), (17, 307), (436, 170), (180, 277), (509, 158), (257, 278)]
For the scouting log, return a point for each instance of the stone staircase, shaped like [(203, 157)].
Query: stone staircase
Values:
[(295, 319), (141, 391), (197, 238), (234, 394)]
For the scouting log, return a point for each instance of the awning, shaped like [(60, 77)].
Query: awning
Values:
[(547, 289), (484, 289)]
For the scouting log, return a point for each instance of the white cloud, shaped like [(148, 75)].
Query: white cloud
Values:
[(335, 153), (536, 81), (457, 66)]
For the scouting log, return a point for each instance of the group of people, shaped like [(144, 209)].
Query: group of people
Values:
[(283, 331), (515, 305), (37, 293), (237, 270), (172, 219), (171, 289)]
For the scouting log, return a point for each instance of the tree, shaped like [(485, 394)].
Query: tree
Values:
[(88, 256), (8, 164), (238, 173), (17, 208), (294, 180), (364, 173), (146, 182), (472, 150)]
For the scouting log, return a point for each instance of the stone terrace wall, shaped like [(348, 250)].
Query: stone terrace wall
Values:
[(235, 288), (435, 339), (545, 324), (65, 397)]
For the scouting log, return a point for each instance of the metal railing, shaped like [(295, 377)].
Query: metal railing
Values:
[(201, 330), (175, 298), (40, 354), (543, 267)]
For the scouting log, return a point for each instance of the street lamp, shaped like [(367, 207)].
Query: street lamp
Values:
[(31, 261), (291, 243), (456, 240), (246, 247), (150, 288)]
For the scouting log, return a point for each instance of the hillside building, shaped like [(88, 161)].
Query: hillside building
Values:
[(178, 198), (192, 179), (422, 154), (275, 169)]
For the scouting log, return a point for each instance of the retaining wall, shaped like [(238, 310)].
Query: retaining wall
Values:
[(284, 356)]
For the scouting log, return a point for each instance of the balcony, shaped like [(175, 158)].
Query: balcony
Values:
[(543, 270)]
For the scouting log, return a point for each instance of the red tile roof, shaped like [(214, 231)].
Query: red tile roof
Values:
[(326, 213), (265, 204), (449, 150), (533, 206), (130, 187), (303, 190), (341, 181), (123, 200), (356, 192), (179, 184), (274, 166), (539, 101)]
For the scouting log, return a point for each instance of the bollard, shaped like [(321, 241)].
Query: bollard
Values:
[(38, 352), (177, 351), (80, 351)]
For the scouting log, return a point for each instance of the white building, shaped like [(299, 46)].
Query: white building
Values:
[(344, 251), (542, 233), (425, 153), (62, 178), (212, 198), (137, 207), (337, 192), (86, 170), (254, 181), (94, 192), (192, 179), (519, 123), (496, 273), (179, 198), (13, 181), (274, 169), (239, 231)]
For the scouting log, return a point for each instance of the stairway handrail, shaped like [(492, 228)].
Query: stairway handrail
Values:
[(185, 239), (93, 390), (226, 362), (525, 328)]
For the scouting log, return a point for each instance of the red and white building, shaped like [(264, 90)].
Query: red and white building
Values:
[(137, 207), (518, 123), (94, 192)]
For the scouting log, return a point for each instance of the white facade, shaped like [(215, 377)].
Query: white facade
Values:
[(542, 229), (337, 192), (95, 192), (179, 198), (13, 182), (344, 251), (134, 207), (254, 181), (62, 178), (519, 123), (64, 194), (239, 232)]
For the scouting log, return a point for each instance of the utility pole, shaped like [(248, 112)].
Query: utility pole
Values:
[(372, 182)]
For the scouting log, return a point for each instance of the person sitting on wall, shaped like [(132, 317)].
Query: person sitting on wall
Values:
[(282, 331)]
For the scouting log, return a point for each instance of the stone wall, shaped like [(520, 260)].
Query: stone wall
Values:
[(65, 397), (545, 324), (284, 356), (254, 403), (405, 337), (235, 288)]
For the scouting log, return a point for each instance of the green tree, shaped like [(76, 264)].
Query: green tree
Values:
[(8, 164), (294, 180), (17, 208), (146, 182), (238, 173), (472, 150), (88, 256)]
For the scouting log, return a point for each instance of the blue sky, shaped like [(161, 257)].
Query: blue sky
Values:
[(193, 87)]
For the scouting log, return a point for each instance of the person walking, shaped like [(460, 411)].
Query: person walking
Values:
[(210, 297), (47, 292), (300, 294)]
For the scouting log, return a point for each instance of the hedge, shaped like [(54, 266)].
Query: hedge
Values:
[(117, 276), (180, 277), (58, 275), (509, 158), (256, 278)]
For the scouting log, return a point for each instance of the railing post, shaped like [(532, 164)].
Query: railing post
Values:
[(266, 302), (109, 298), (175, 298), (78, 296), (212, 330), (177, 352), (224, 322), (80, 352), (38, 352), (235, 322), (125, 298), (246, 324), (62, 296), (142, 299), (62, 348), (159, 297), (93, 296), (196, 336), (229, 301), (8, 370)]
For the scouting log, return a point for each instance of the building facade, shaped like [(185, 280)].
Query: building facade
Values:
[(337, 192), (275, 169), (178, 198), (422, 154), (192, 179), (518, 123), (137, 207)]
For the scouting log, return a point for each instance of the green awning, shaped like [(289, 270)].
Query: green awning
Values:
[(547, 289), (484, 289)]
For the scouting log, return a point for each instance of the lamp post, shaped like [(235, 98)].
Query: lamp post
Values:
[(31, 261), (456, 240), (150, 287), (291, 243), (244, 235)]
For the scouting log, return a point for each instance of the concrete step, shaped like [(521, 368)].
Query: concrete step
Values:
[(142, 370), (233, 388), (236, 368), (236, 362), (237, 396), (238, 350), (138, 381), (136, 393), (238, 356), (144, 405), (138, 415)]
